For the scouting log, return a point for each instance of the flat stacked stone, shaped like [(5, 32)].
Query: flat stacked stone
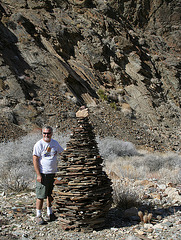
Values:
[(82, 189)]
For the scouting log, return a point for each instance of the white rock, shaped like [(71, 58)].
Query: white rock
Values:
[(3, 194), (158, 226), (173, 193), (132, 238), (114, 229), (162, 186), (148, 225)]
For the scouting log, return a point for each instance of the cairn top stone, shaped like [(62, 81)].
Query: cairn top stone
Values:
[(82, 113)]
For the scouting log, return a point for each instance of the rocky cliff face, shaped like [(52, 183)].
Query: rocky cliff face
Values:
[(120, 58)]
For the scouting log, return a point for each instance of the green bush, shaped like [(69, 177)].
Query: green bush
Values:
[(113, 105), (102, 95)]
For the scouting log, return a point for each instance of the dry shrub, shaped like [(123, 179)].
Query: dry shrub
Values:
[(111, 148), (123, 196), (124, 168), (16, 179), (165, 167), (123, 163), (167, 175)]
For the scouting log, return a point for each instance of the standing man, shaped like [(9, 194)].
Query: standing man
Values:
[(45, 164)]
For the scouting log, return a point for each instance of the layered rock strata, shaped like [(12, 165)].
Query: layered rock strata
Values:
[(82, 189), (108, 55)]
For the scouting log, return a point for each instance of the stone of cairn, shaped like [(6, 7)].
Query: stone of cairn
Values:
[(82, 192)]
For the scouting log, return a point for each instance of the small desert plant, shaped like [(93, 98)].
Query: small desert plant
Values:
[(123, 196), (113, 105), (102, 95)]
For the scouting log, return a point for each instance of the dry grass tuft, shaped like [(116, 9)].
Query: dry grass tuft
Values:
[(123, 196)]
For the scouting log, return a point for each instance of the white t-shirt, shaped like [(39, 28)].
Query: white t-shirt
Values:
[(47, 153)]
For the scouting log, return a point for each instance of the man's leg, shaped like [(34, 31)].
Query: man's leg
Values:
[(49, 201), (50, 185), (49, 205), (49, 194), (50, 215), (39, 204)]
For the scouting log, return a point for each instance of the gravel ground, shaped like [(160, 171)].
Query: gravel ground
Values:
[(17, 219)]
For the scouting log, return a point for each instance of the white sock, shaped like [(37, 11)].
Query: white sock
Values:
[(38, 213), (49, 211)]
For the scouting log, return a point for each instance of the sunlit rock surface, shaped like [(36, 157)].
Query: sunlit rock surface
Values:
[(58, 55)]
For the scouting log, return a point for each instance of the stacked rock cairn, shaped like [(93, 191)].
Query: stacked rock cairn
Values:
[(82, 192)]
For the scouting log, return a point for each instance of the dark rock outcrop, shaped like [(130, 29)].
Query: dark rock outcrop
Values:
[(58, 55)]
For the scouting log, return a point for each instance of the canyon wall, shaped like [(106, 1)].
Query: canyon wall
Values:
[(119, 58)]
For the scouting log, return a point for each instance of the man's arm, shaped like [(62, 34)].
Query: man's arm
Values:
[(60, 149), (37, 168)]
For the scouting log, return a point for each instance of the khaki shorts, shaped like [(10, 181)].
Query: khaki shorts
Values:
[(44, 189)]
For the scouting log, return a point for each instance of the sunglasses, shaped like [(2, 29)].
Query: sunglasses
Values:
[(47, 133)]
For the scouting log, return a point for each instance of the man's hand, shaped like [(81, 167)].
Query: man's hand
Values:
[(39, 178), (37, 169)]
